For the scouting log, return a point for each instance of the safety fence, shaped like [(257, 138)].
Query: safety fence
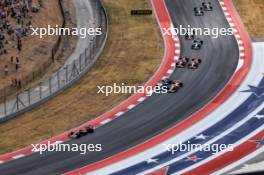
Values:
[(62, 79)]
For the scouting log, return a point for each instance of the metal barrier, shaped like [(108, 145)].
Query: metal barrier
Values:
[(62, 79)]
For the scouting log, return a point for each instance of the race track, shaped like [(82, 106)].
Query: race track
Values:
[(160, 111)]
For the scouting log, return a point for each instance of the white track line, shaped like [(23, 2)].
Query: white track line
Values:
[(253, 78), (211, 141), (240, 162), (216, 155), (258, 52)]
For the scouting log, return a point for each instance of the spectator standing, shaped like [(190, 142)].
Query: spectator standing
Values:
[(12, 59), (19, 44), (14, 82), (17, 64), (19, 84), (6, 70)]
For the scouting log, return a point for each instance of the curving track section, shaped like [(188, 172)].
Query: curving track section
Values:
[(239, 121), (236, 120), (158, 112)]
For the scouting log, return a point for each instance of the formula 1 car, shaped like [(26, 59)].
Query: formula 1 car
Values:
[(166, 82), (182, 62), (197, 44), (207, 6), (171, 86), (81, 132), (189, 36), (175, 86), (195, 63), (198, 11)]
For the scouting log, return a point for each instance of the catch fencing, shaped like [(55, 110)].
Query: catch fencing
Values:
[(62, 79)]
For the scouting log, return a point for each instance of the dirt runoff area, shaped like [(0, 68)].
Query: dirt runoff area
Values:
[(252, 14), (133, 53)]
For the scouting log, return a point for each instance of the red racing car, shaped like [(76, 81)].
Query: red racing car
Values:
[(81, 132)]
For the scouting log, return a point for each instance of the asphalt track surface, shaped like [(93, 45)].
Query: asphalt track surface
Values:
[(160, 111)]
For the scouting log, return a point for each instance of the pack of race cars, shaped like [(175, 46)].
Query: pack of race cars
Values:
[(170, 85), (206, 6), (186, 62), (183, 62)]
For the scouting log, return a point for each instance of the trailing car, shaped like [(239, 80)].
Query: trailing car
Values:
[(197, 44), (189, 36), (81, 132), (175, 86), (194, 63), (171, 86), (207, 6), (198, 11), (182, 62)]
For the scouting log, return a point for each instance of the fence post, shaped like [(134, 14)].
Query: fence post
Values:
[(87, 57), (93, 46), (17, 104), (91, 50), (95, 41), (50, 87), (29, 100), (40, 90), (85, 52), (80, 62), (66, 69), (58, 78), (5, 101)]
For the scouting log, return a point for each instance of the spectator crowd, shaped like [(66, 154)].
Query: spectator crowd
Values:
[(15, 24)]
